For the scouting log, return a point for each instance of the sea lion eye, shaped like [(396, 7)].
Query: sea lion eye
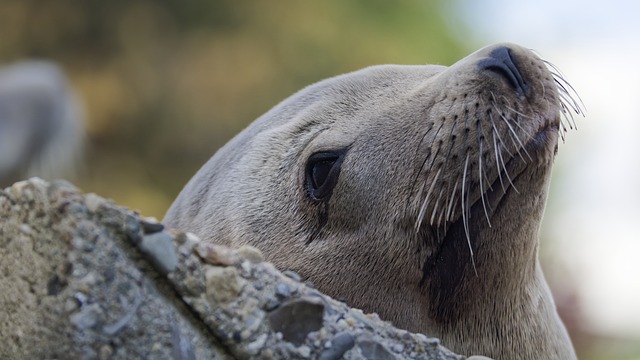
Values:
[(322, 172)]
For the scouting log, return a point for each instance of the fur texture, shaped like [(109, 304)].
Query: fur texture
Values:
[(433, 221)]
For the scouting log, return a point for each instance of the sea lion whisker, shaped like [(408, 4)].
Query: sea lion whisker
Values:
[(566, 114), (565, 94), (562, 130), (554, 69), (482, 194), (517, 123), (557, 73), (544, 89), (452, 142), (497, 133), (506, 172), (514, 135), (452, 200), (466, 214), (568, 118), (425, 203), (481, 137), (495, 148), (505, 105), (567, 104), (446, 162), (418, 198), (440, 218), (568, 95), (436, 207), (559, 77), (415, 180), (516, 112), (425, 160)]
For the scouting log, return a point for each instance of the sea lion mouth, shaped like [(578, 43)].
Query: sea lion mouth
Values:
[(457, 242), (537, 147)]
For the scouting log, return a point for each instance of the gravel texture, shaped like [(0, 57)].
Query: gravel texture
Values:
[(83, 278)]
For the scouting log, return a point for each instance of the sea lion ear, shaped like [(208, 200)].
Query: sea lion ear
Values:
[(321, 173)]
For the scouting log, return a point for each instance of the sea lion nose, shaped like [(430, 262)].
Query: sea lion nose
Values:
[(501, 62)]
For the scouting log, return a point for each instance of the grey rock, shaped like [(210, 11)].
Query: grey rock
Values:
[(151, 226), (159, 246), (374, 350), (340, 344), (295, 319), (87, 317), (109, 302), (283, 290), (292, 275)]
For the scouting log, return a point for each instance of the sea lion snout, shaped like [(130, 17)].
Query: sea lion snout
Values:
[(501, 62)]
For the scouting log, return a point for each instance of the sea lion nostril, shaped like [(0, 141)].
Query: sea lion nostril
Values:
[(501, 62)]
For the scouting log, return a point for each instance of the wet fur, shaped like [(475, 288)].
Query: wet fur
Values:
[(434, 220)]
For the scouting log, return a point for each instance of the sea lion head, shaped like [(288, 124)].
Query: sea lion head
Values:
[(412, 191)]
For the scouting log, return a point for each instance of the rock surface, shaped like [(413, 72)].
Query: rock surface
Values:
[(84, 278)]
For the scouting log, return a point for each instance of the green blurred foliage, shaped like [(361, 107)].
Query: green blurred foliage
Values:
[(166, 83)]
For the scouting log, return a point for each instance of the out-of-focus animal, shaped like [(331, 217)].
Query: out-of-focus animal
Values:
[(41, 127)]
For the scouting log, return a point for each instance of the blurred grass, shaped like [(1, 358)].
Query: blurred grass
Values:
[(166, 83)]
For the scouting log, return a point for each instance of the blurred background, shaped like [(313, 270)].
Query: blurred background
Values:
[(157, 86)]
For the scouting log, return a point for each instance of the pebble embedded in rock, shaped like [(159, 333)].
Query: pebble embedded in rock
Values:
[(105, 352), (93, 201), (251, 253), (159, 247), (254, 347), (272, 304), (304, 351), (223, 284), (340, 344), (295, 319), (216, 254), (87, 317), (151, 225), (283, 290), (397, 348), (132, 227), (374, 350), (16, 189), (292, 275)]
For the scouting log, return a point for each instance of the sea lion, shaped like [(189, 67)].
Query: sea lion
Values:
[(415, 192), (41, 122)]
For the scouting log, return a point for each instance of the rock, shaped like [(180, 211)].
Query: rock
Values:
[(216, 255), (151, 225), (222, 283), (80, 280), (283, 290), (292, 275), (160, 249), (295, 319), (251, 253), (373, 350), (340, 344), (93, 202)]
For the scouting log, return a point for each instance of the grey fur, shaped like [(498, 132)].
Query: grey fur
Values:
[(434, 220)]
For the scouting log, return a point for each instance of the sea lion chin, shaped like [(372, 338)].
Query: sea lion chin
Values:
[(415, 192)]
